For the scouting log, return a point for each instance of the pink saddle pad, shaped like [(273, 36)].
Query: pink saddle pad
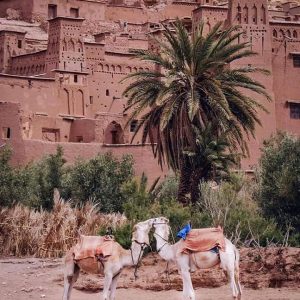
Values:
[(204, 239)]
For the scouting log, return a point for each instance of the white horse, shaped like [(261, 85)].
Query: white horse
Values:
[(228, 259), (112, 266)]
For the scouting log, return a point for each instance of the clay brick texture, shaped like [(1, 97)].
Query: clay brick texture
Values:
[(62, 63)]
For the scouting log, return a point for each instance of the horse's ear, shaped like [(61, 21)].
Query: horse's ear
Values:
[(151, 221)]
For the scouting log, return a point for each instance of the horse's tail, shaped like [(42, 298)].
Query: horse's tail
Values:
[(237, 270)]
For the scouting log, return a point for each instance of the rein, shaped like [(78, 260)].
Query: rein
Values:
[(167, 271), (143, 246), (166, 242)]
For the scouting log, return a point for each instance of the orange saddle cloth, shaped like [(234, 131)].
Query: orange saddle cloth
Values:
[(93, 246), (204, 239)]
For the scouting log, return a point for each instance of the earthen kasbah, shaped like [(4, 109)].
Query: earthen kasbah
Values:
[(62, 61)]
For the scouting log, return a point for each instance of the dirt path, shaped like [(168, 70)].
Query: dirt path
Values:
[(42, 279)]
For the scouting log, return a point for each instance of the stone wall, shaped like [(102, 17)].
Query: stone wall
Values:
[(24, 8), (10, 130), (28, 64), (255, 25), (143, 157), (285, 44)]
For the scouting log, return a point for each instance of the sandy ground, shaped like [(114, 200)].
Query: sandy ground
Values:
[(42, 279)]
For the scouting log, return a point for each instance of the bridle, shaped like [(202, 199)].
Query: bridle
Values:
[(166, 243), (165, 240), (143, 245)]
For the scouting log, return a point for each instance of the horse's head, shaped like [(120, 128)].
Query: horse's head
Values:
[(159, 221), (141, 230), (161, 225)]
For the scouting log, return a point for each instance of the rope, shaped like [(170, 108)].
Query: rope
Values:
[(142, 245)]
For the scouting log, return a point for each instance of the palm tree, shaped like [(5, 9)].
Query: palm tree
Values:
[(210, 160), (191, 86)]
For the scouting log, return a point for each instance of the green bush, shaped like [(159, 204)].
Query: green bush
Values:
[(98, 179), (138, 200), (167, 189), (49, 174), (236, 211), (141, 205), (6, 177), (35, 182), (230, 205), (122, 234), (279, 180)]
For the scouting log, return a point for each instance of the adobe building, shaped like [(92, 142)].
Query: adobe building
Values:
[(60, 79)]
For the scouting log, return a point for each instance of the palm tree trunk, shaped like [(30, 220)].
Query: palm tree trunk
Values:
[(184, 182), (194, 187)]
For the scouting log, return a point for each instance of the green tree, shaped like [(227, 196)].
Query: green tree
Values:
[(99, 179), (279, 192), (210, 160), (37, 181), (191, 86), (49, 176)]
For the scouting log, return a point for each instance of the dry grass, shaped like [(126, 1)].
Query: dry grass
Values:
[(49, 234)]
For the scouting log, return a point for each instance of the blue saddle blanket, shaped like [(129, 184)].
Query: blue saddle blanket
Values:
[(184, 231)]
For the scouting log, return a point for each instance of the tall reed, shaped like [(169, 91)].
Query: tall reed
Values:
[(24, 231)]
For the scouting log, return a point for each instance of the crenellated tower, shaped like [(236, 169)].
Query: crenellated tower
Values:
[(12, 43), (252, 16), (66, 61), (65, 51)]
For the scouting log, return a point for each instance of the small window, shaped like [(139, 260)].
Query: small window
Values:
[(19, 44), (91, 100), (6, 133), (50, 134), (295, 35), (296, 60), (75, 78), (74, 12), (295, 110), (133, 125), (107, 92), (52, 11), (79, 139)]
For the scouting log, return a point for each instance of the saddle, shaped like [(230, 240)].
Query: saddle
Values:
[(204, 239), (97, 247)]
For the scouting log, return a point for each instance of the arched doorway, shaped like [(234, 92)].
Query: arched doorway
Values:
[(79, 103), (65, 102), (114, 134)]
